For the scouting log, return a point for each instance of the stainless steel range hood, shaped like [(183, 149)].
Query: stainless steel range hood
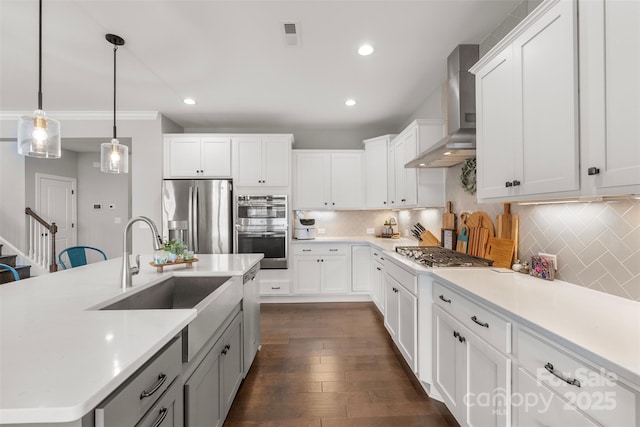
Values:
[(460, 143)]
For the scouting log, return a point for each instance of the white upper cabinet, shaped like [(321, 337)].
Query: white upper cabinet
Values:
[(376, 152), (610, 96), (328, 179), (261, 160), (415, 187), (527, 98), (197, 156)]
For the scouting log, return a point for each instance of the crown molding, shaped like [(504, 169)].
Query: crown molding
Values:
[(86, 115)]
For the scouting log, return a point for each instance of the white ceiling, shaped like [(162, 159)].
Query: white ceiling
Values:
[(230, 56)]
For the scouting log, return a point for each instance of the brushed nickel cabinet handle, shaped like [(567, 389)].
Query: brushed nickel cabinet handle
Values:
[(478, 322), (161, 417), (161, 379), (571, 381)]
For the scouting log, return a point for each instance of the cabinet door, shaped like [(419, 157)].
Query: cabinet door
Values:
[(183, 157), (496, 137), (375, 166), (376, 285), (488, 395), (410, 143), (361, 269), (202, 394), (231, 363), (547, 102), (391, 306), (399, 156), (249, 160), (168, 411), (307, 272), (449, 362), (216, 157), (391, 176), (347, 189), (312, 183), (610, 94), (276, 153), (251, 320), (336, 275), (408, 326)]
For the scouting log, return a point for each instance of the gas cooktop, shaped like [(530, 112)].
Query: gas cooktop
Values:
[(435, 256)]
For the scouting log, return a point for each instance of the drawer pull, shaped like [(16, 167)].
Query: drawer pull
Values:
[(306, 250), (378, 268), (477, 322), (456, 334), (571, 381), (275, 288), (333, 250), (382, 258), (161, 379), (161, 417), (444, 299), (375, 254)]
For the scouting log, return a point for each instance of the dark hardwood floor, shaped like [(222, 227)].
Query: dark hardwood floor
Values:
[(330, 364)]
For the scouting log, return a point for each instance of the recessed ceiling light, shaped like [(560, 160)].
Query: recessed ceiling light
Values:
[(189, 101), (350, 102), (365, 50)]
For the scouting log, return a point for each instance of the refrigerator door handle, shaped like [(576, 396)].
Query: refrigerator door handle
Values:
[(190, 219), (196, 203)]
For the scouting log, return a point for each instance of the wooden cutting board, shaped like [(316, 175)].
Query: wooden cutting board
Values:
[(507, 227), (463, 240), (500, 251), (480, 229), (449, 218)]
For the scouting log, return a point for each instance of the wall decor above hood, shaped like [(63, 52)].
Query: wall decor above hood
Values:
[(460, 143)]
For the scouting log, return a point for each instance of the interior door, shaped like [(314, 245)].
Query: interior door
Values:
[(56, 202)]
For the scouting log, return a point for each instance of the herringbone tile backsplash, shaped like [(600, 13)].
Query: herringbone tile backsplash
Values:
[(598, 244)]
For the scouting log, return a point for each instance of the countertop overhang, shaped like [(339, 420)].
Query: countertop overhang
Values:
[(59, 357)]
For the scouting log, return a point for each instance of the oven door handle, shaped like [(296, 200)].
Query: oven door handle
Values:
[(261, 234)]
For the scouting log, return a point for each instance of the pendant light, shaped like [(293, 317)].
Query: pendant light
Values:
[(38, 135), (114, 157)]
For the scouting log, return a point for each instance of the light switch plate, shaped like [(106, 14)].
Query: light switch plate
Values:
[(321, 230), (370, 231)]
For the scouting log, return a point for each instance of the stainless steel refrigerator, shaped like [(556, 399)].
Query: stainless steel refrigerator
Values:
[(200, 213)]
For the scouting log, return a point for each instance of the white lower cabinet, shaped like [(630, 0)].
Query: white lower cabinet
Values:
[(401, 312), (473, 378), (251, 319), (377, 279), (361, 268), (322, 269), (209, 392)]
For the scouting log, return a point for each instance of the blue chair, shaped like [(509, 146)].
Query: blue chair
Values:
[(16, 276), (77, 256)]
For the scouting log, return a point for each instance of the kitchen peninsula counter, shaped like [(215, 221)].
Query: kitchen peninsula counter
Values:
[(60, 356)]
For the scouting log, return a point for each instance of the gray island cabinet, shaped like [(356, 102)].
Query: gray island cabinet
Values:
[(129, 367)]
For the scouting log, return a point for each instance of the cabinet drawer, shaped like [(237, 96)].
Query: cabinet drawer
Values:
[(536, 405), (321, 249), (377, 254), (595, 391), (406, 279), (168, 411), (485, 323), (139, 393), (274, 288)]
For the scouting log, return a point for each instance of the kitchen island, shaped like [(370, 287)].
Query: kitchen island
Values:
[(60, 356)]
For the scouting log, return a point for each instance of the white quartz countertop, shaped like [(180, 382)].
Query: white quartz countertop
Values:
[(59, 358), (385, 244), (602, 327)]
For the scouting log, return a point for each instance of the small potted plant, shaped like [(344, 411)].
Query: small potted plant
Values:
[(175, 248)]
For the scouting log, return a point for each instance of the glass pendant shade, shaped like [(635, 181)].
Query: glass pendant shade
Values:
[(114, 157), (39, 136)]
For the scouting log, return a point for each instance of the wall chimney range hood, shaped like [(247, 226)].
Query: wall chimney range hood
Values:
[(460, 143)]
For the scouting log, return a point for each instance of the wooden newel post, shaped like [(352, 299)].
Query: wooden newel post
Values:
[(53, 266)]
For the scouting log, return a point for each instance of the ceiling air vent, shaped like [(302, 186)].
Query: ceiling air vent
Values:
[(291, 33)]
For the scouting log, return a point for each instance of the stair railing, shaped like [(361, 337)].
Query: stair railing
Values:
[(40, 231)]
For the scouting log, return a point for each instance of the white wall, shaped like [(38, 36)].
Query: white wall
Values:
[(99, 228), (12, 195)]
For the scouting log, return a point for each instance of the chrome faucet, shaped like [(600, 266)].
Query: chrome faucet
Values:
[(127, 270)]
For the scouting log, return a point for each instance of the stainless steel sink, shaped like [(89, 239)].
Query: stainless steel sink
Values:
[(173, 293), (214, 298)]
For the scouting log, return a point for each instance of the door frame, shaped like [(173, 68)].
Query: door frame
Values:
[(74, 199)]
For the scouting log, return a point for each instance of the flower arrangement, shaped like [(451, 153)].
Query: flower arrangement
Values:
[(175, 247)]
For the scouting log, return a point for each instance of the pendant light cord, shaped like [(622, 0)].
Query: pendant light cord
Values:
[(115, 48), (40, 57)]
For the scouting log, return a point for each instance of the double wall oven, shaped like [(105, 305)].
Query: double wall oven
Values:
[(262, 227)]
